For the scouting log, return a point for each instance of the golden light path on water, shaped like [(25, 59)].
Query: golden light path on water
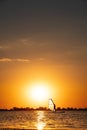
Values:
[(40, 124)]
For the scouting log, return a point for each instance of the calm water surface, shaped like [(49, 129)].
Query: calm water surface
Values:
[(68, 120)]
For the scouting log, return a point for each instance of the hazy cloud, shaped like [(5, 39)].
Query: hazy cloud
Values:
[(5, 47), (1, 47), (5, 60), (13, 60)]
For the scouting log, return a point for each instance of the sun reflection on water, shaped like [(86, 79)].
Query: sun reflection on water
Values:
[(40, 120)]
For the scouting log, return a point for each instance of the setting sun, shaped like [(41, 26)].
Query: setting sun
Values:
[(39, 92)]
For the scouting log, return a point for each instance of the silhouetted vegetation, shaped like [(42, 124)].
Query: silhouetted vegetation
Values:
[(42, 108)]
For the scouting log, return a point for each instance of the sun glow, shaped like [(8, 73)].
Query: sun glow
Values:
[(39, 91)]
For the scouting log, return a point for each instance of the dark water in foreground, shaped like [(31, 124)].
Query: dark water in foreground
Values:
[(68, 120)]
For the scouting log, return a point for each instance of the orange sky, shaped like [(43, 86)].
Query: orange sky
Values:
[(64, 84), (44, 41)]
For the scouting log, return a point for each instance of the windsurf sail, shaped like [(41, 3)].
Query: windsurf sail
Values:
[(51, 105)]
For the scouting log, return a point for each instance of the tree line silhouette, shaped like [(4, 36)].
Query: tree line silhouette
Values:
[(40, 108)]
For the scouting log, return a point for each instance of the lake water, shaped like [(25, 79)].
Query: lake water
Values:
[(68, 120)]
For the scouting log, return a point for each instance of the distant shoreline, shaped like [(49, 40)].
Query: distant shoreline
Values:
[(42, 108)]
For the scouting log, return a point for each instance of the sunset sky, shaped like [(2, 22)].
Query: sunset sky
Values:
[(43, 44)]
